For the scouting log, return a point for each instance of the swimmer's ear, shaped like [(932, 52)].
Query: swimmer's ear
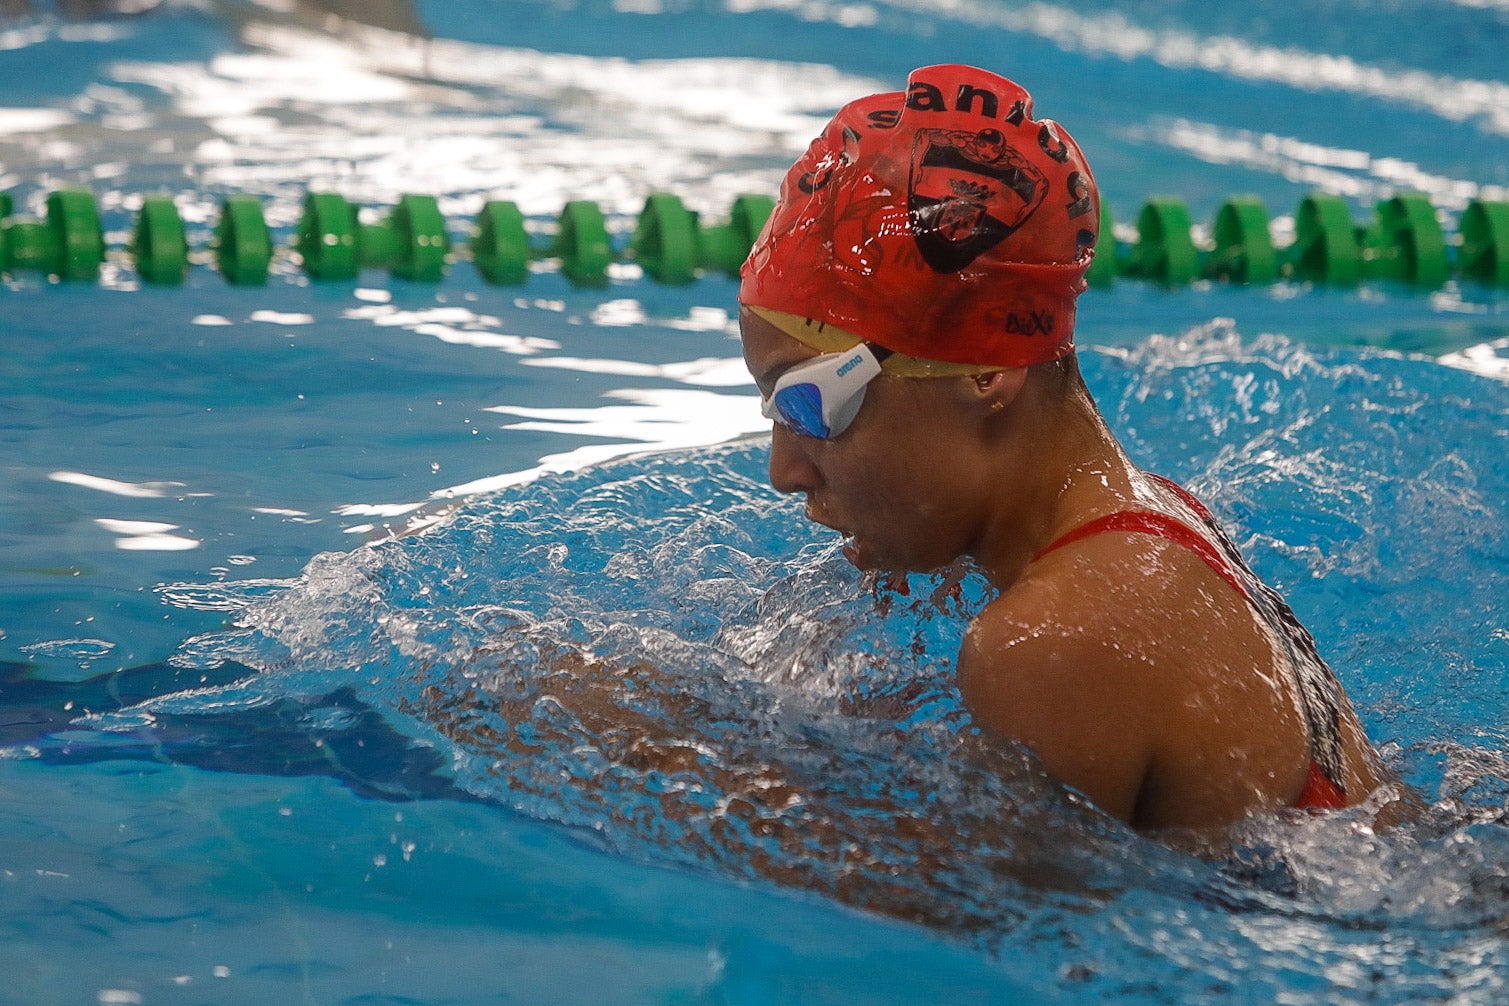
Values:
[(996, 390)]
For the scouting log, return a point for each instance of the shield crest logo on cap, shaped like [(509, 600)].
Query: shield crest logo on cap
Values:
[(968, 192)]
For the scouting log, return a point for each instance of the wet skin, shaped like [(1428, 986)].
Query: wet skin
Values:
[(1135, 673)]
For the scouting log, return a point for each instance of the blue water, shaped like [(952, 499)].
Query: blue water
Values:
[(288, 575)]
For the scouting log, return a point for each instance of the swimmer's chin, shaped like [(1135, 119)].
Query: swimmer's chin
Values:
[(867, 561), (851, 552)]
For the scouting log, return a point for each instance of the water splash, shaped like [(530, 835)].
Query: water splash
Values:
[(662, 655)]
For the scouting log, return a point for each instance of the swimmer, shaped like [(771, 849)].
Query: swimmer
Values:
[(908, 314)]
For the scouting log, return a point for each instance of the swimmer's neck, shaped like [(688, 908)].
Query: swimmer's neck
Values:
[(1060, 466)]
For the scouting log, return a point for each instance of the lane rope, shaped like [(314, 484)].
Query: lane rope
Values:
[(1404, 242)]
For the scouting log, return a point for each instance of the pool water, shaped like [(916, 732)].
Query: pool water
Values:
[(294, 577)]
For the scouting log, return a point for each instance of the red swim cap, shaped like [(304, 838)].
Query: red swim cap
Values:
[(944, 223)]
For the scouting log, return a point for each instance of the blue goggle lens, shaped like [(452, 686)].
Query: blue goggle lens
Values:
[(801, 408)]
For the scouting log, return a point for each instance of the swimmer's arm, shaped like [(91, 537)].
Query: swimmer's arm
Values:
[(760, 799), (1029, 672)]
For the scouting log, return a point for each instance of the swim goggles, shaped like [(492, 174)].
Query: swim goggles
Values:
[(820, 397)]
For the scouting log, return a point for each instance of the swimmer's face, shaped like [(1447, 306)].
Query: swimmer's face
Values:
[(881, 483)]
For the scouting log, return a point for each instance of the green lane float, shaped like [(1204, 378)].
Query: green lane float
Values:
[(159, 243), (1325, 242), (243, 242), (582, 243), (500, 246), (420, 235), (1484, 256), (69, 244), (1244, 247), (78, 241), (1165, 250), (326, 238), (1405, 243), (665, 242), (334, 244), (726, 246), (1402, 243), (6, 205), (671, 244)]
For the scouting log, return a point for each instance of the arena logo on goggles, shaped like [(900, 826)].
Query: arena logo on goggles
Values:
[(855, 361)]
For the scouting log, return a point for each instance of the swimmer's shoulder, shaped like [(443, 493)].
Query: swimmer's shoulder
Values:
[(1118, 660), (1069, 665), (1103, 602)]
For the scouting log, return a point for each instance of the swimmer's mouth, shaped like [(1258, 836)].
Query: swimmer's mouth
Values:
[(814, 518), (850, 546)]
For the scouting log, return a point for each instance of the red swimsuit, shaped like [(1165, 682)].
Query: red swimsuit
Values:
[(1324, 789)]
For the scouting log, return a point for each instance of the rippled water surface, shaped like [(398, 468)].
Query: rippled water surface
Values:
[(387, 642)]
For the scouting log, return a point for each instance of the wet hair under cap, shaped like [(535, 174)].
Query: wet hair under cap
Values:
[(944, 223)]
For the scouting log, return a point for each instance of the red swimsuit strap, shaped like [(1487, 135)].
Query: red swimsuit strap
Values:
[(1162, 525), (1320, 791)]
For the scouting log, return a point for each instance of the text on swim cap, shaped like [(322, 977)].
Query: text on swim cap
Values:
[(1048, 139), (1030, 324), (929, 98), (924, 97), (1079, 193)]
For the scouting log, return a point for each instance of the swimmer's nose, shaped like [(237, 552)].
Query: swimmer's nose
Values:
[(791, 470)]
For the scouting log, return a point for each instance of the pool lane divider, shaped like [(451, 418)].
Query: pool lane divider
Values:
[(1404, 242)]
